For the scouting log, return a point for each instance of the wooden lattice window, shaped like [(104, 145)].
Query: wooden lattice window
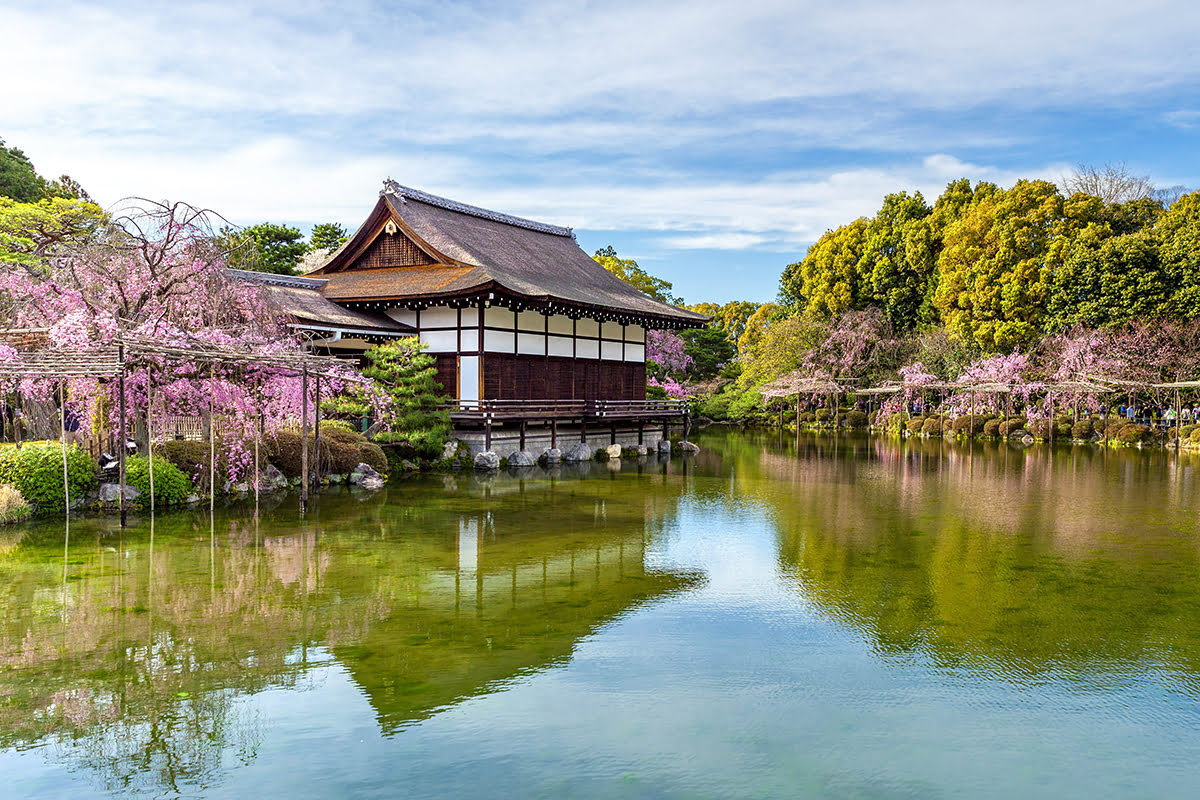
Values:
[(392, 250)]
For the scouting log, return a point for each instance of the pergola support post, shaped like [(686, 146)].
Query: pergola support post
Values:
[(304, 440), (121, 433)]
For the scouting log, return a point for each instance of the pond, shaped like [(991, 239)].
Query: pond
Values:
[(778, 616)]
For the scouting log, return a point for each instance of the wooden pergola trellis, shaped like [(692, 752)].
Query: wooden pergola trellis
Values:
[(113, 361)]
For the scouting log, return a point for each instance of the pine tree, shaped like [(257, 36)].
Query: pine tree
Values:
[(406, 396)]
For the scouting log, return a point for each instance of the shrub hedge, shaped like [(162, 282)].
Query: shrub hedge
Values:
[(992, 427), (856, 419), (171, 485), (1010, 425), (36, 470), (932, 426)]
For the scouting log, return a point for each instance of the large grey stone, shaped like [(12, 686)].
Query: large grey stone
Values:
[(272, 480), (613, 451), (578, 452), (111, 493), (521, 458), (688, 447), (664, 446), (450, 450), (487, 460), (365, 474), (552, 456), (1020, 438)]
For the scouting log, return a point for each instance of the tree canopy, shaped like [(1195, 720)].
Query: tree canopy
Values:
[(628, 270), (266, 247), (327, 236), (21, 182)]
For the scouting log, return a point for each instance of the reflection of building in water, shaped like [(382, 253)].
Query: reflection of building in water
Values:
[(134, 660), (513, 605)]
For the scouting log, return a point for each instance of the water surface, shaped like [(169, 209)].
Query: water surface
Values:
[(777, 617)]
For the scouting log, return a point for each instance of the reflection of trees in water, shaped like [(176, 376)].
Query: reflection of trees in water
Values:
[(1064, 562), (137, 668)]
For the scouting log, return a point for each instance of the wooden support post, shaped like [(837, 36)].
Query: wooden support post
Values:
[(20, 410), (687, 424), (317, 435), (121, 433), (1178, 411), (797, 412), (553, 434), (523, 424), (487, 432), (583, 423), (212, 444), (972, 425), (641, 426), (62, 418), (612, 433), (304, 440), (150, 434), (1050, 400)]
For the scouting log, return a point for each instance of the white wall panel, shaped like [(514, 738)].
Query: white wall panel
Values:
[(588, 327), (531, 344), (470, 316), (635, 353), (499, 317), (612, 330), (439, 317), (562, 325), (611, 350), (498, 341), (440, 341), (561, 346), (531, 321), (403, 315), (469, 340), (468, 378), (587, 348), (635, 333)]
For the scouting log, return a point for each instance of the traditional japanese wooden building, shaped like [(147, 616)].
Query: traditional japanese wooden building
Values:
[(525, 326)]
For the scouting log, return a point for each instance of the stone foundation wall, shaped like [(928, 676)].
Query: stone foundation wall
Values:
[(506, 441)]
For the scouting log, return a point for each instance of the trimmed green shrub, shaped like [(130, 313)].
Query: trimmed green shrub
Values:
[(991, 427), (656, 393), (340, 434), (823, 415), (932, 426), (856, 419), (191, 457), (1196, 435), (284, 450), (1011, 425), (963, 423), (1082, 429), (915, 425), (808, 416), (36, 470), (329, 426), (1039, 428), (1186, 431), (338, 457), (373, 456), (13, 506), (1133, 433), (171, 485)]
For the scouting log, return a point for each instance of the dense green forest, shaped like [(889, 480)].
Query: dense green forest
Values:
[(981, 271)]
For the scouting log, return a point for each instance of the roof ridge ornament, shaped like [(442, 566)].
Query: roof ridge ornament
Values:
[(406, 193)]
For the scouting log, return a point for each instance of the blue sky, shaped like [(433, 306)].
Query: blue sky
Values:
[(713, 142)]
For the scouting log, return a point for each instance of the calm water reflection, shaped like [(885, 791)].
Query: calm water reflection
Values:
[(774, 618)]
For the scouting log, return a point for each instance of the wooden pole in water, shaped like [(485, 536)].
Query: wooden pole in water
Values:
[(317, 434), (121, 433), (972, 415), (304, 440), (150, 435), (1050, 400), (62, 419), (212, 443), (1178, 410)]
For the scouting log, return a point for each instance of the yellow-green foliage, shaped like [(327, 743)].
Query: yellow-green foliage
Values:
[(36, 470), (13, 507), (171, 485)]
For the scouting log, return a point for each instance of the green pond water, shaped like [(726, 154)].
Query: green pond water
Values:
[(777, 617)]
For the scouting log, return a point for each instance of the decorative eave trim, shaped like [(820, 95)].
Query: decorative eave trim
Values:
[(272, 279), (401, 193)]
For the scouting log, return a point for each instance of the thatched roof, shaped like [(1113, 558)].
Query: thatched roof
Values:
[(463, 250), (303, 301)]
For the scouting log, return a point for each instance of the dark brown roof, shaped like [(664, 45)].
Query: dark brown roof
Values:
[(303, 300), (481, 248)]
